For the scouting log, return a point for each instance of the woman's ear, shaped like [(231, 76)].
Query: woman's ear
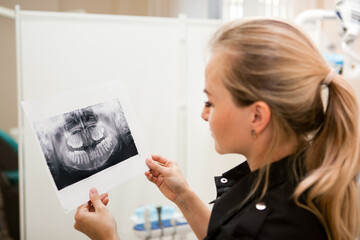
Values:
[(260, 116)]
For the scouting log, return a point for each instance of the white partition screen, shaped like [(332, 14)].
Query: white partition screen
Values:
[(159, 60)]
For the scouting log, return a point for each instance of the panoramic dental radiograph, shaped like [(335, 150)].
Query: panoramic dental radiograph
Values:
[(83, 142)]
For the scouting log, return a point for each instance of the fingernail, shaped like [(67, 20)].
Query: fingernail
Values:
[(93, 191), (148, 160)]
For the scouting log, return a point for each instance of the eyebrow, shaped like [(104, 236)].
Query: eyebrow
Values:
[(207, 92)]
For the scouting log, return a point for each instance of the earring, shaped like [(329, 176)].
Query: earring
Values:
[(253, 134)]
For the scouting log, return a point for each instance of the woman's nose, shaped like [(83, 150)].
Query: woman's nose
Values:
[(205, 114)]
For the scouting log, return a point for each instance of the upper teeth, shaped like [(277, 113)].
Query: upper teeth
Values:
[(75, 140), (97, 132)]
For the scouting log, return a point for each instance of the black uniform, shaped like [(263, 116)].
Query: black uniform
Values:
[(275, 216)]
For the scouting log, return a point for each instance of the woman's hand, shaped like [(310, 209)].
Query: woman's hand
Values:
[(167, 177), (94, 219)]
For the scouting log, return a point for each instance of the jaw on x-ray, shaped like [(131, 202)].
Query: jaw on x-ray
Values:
[(87, 139), (83, 142)]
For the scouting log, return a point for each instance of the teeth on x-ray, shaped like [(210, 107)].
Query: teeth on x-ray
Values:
[(75, 141), (79, 157), (85, 157), (107, 143), (97, 133), (100, 150)]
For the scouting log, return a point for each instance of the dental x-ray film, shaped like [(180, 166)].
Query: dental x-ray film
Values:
[(83, 142), (95, 145)]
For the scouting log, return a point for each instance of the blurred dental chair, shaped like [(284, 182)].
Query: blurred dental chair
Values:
[(9, 186)]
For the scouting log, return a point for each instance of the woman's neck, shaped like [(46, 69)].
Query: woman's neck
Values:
[(256, 158)]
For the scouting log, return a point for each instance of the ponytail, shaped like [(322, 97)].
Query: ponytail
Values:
[(332, 162)]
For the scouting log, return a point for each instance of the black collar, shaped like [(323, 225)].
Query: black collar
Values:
[(279, 172)]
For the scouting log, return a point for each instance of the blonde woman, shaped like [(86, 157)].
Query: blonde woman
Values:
[(264, 83)]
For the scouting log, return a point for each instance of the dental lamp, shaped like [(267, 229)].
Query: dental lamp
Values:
[(348, 12)]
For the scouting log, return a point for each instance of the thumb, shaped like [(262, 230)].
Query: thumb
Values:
[(153, 165), (95, 199)]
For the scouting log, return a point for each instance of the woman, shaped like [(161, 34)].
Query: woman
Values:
[(265, 82)]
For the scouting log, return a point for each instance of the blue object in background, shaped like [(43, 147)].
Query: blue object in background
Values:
[(155, 225), (336, 61), (153, 221)]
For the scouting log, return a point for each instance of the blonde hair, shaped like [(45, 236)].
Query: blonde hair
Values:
[(273, 61)]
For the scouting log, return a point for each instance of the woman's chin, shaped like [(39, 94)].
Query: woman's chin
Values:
[(225, 150), (218, 149)]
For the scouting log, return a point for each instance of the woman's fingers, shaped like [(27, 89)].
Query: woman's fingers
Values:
[(94, 219), (160, 159), (151, 177), (154, 173), (105, 201), (104, 195), (104, 198), (155, 166), (81, 207), (80, 214), (159, 166), (95, 199)]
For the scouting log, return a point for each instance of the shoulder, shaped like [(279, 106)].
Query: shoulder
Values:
[(275, 217), (286, 220)]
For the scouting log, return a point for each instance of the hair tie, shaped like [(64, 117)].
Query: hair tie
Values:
[(329, 77)]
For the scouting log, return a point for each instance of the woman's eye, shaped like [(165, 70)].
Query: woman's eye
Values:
[(208, 104)]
